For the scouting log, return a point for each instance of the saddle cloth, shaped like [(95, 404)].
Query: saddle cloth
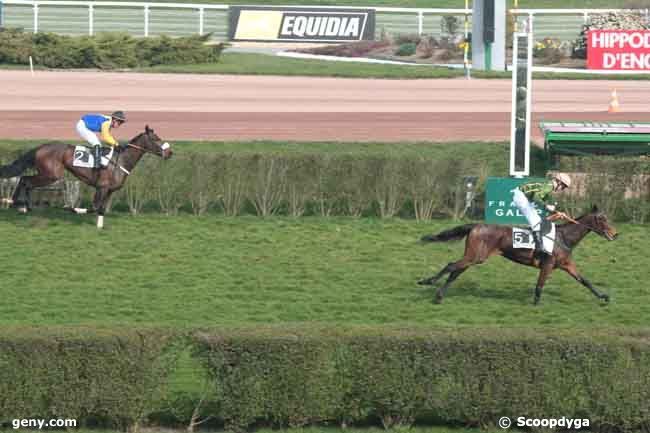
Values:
[(84, 156), (523, 238)]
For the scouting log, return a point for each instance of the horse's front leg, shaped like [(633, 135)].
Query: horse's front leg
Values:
[(571, 269), (99, 203), (545, 270)]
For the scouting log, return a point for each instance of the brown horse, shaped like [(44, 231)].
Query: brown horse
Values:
[(486, 240), (50, 161)]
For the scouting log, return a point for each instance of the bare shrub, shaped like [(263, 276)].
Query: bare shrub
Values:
[(269, 184), (203, 186)]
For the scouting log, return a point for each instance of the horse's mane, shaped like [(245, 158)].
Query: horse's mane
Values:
[(137, 137)]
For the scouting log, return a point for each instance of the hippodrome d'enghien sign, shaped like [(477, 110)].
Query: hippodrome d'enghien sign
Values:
[(296, 24)]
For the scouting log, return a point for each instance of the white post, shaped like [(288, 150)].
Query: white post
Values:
[(520, 116), (201, 17), (35, 17), (146, 21), (420, 23), (585, 18), (91, 19)]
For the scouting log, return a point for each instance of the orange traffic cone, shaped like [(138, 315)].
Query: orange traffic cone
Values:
[(613, 103)]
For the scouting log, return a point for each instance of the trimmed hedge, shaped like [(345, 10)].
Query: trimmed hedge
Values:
[(104, 51), (285, 376), (469, 377), (297, 185), (105, 377), (384, 184)]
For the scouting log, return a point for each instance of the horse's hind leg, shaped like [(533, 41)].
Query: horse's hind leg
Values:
[(23, 194), (440, 293), (433, 280), (454, 269)]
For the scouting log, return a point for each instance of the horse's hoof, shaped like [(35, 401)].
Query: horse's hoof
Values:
[(605, 298), (424, 282), (438, 300), (22, 210)]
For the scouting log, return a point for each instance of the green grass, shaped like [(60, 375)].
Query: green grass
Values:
[(459, 150), (263, 64), (214, 271), (494, 154)]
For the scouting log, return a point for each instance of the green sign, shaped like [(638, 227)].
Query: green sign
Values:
[(499, 208)]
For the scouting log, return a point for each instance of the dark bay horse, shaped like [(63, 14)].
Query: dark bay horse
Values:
[(486, 240), (51, 160)]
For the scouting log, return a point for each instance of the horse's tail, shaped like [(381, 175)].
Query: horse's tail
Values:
[(17, 167), (449, 235)]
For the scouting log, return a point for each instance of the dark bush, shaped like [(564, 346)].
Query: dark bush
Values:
[(626, 20), (353, 49), (104, 51), (402, 39), (291, 377), (407, 49)]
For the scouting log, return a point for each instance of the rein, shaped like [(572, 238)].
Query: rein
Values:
[(135, 146), (593, 229)]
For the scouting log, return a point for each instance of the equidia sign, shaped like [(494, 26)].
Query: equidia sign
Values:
[(252, 23)]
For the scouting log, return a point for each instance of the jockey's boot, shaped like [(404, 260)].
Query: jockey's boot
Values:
[(98, 157)]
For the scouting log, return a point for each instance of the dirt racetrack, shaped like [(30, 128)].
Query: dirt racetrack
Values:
[(217, 107)]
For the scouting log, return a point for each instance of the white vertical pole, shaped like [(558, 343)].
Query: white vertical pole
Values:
[(585, 18), (420, 22), (529, 96), (91, 19), (513, 111), (35, 17), (146, 21), (529, 85), (201, 17)]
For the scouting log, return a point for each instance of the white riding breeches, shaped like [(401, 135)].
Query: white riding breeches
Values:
[(527, 209), (87, 134)]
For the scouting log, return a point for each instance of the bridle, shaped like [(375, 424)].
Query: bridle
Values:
[(593, 229), (164, 147)]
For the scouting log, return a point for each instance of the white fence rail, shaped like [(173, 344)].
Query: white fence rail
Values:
[(180, 19)]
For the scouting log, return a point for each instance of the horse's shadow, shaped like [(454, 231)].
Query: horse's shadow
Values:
[(45, 216), (472, 289)]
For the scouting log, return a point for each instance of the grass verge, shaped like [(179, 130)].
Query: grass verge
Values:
[(189, 271)]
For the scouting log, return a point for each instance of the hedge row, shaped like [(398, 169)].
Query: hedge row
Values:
[(419, 187), (96, 377), (296, 377), (465, 377), (298, 185), (104, 51), (339, 184)]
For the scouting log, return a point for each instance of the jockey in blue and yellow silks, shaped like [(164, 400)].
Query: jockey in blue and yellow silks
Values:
[(90, 124)]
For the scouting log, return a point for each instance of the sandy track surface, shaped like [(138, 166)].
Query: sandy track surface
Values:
[(213, 107)]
